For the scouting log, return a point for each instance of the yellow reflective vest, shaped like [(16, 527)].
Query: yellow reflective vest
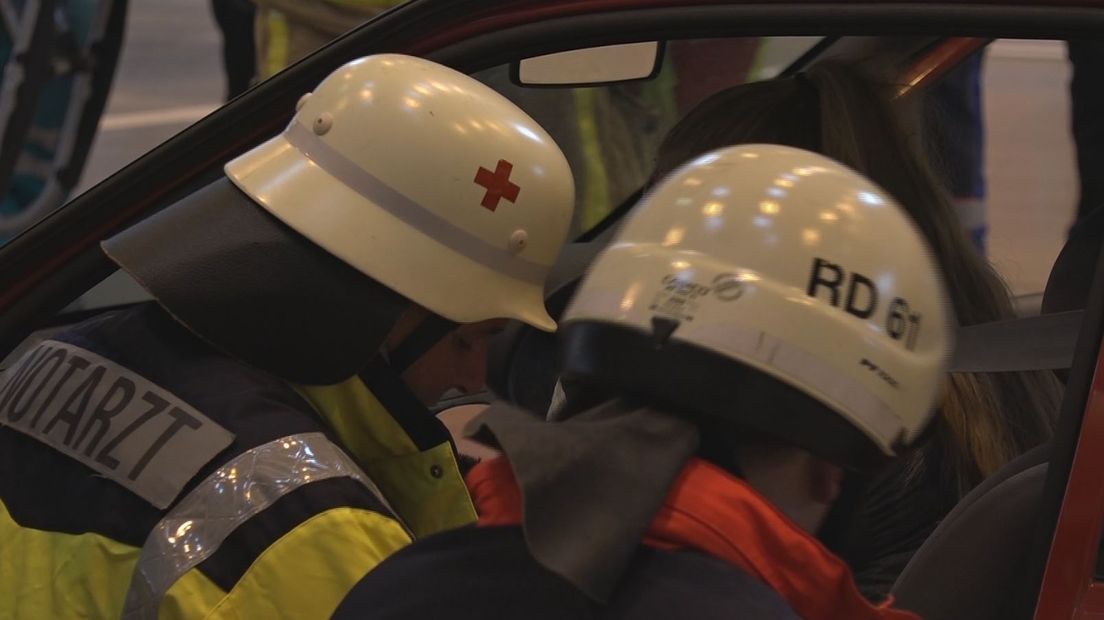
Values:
[(316, 485)]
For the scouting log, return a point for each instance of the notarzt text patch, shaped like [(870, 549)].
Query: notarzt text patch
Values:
[(110, 418)]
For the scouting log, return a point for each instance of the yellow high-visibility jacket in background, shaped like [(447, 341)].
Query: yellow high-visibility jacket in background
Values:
[(289, 30)]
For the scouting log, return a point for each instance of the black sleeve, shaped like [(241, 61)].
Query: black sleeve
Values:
[(468, 573)]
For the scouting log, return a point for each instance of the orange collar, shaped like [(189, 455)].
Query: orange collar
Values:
[(715, 513)]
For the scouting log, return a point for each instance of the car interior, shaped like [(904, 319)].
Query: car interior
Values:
[(985, 560)]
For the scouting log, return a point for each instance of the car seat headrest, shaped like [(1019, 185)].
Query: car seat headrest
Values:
[(1071, 277)]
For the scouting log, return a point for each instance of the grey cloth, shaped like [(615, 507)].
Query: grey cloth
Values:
[(590, 484)]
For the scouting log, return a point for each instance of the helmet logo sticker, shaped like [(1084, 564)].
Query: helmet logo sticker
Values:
[(680, 297), (497, 184), (728, 287)]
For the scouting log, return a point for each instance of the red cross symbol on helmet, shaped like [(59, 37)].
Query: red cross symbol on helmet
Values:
[(498, 184)]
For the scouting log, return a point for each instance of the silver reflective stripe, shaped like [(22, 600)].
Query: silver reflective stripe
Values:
[(193, 530), (826, 378), (410, 212), (816, 373)]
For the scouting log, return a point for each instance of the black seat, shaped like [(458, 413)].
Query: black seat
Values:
[(967, 568)]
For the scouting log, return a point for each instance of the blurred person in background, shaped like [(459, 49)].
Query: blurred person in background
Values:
[(1086, 98), (235, 19), (958, 145), (289, 30)]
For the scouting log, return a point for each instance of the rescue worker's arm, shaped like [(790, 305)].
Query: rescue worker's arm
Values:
[(304, 574)]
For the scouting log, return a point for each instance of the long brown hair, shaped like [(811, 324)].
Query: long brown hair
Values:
[(985, 419)]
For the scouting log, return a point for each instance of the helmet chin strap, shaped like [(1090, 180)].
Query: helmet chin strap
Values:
[(427, 334)]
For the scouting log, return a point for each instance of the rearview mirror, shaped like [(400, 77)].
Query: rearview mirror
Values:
[(590, 66)]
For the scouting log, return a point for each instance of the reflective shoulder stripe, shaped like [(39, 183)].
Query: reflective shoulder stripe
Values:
[(193, 530)]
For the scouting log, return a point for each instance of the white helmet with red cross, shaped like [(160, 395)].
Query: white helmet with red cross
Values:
[(425, 180)]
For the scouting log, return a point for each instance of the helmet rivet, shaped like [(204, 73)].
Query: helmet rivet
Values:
[(518, 240), (302, 101), (323, 123)]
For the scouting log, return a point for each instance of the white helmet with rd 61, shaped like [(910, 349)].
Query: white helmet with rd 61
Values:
[(760, 266)]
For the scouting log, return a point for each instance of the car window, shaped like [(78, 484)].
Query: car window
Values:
[(1011, 167), (610, 133)]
